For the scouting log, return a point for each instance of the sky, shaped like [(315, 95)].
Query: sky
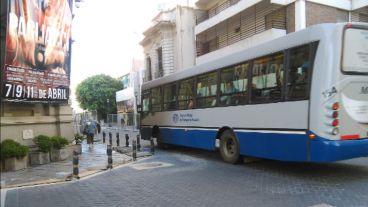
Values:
[(106, 36)]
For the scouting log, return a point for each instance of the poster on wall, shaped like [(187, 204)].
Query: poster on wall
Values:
[(126, 106), (37, 55)]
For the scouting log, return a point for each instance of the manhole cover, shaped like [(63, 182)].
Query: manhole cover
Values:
[(151, 165)]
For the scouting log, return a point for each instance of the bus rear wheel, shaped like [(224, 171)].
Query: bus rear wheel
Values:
[(229, 147)]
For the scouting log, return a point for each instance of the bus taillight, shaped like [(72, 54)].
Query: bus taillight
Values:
[(336, 106), (335, 123), (349, 137), (334, 114)]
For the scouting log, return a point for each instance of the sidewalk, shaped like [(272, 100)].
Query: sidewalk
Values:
[(92, 160)]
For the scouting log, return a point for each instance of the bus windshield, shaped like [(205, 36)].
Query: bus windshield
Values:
[(355, 55)]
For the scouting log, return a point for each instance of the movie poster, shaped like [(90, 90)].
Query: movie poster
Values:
[(37, 51), (126, 106)]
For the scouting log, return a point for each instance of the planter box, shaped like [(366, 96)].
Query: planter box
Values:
[(13, 164), (59, 154), (39, 158)]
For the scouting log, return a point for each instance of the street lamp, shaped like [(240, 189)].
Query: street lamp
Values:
[(136, 108), (107, 112)]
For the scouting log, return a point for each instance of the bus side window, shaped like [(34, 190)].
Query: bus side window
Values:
[(186, 92), (267, 78), (233, 85), (299, 66), (170, 97), (156, 99), (146, 106), (207, 90)]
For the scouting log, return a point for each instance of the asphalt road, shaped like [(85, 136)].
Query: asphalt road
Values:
[(187, 177)]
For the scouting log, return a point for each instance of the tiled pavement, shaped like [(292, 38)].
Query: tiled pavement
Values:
[(92, 160)]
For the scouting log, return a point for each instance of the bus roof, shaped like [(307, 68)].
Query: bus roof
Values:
[(310, 34)]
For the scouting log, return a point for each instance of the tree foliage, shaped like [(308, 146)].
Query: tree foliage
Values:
[(93, 93)]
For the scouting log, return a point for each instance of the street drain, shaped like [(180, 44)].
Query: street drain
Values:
[(151, 165)]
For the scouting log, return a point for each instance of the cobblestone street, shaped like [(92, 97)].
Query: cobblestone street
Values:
[(186, 177)]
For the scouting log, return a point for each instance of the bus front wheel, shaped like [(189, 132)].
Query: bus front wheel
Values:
[(229, 147)]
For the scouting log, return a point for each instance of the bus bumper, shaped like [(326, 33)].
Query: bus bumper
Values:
[(323, 150)]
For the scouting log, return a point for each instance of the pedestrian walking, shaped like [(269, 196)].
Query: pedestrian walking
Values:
[(91, 130)]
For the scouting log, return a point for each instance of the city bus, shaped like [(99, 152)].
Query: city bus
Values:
[(302, 97)]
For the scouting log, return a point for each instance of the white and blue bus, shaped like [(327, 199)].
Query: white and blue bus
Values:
[(301, 97)]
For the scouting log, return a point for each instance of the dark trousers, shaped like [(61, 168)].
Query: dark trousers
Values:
[(90, 138)]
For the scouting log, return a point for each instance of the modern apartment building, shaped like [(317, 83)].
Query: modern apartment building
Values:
[(128, 97), (169, 44), (226, 26)]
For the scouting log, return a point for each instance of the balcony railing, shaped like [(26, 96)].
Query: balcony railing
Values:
[(239, 27), (216, 10)]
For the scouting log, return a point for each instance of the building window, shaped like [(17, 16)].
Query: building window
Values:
[(125, 80), (149, 68), (159, 63), (363, 17)]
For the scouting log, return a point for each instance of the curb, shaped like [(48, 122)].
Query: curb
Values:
[(83, 175)]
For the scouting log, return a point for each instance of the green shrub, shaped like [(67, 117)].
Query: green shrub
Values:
[(10, 148), (58, 142), (78, 138), (43, 142)]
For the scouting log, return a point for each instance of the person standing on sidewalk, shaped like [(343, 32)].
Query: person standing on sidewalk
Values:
[(98, 127), (91, 130)]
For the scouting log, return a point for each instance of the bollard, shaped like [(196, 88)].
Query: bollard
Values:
[(109, 156), (152, 146), (126, 140), (103, 136), (110, 138), (117, 139), (75, 164), (134, 150), (138, 143)]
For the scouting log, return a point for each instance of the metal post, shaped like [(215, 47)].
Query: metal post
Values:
[(117, 139), (103, 136), (152, 146), (138, 143), (110, 138), (75, 164), (109, 156), (126, 140), (134, 150)]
